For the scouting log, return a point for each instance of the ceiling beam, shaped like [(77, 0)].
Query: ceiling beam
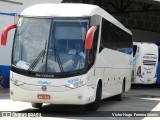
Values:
[(13, 2), (136, 11)]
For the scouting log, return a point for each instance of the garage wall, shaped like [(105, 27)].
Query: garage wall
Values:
[(147, 36), (143, 19), (144, 23)]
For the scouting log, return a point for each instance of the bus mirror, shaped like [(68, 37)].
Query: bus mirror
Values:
[(5, 33), (89, 37)]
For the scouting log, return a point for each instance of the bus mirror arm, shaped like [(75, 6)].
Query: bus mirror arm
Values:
[(89, 37), (5, 33)]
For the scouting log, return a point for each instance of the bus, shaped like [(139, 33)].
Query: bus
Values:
[(44, 71), (145, 63), (8, 15)]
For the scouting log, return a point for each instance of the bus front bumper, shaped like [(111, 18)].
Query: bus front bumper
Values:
[(78, 96), (139, 80)]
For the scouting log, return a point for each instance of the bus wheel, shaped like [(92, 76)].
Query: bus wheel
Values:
[(121, 95), (94, 106), (36, 105)]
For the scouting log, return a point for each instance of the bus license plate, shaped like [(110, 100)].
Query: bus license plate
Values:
[(43, 96), (148, 80)]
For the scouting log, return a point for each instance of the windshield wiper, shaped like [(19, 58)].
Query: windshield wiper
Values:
[(58, 59), (36, 61)]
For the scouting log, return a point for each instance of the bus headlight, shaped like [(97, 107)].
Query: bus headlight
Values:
[(16, 82), (76, 85)]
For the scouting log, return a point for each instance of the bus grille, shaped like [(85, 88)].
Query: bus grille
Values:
[(149, 62)]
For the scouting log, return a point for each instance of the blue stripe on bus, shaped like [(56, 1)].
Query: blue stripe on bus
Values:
[(8, 14), (158, 69), (5, 73)]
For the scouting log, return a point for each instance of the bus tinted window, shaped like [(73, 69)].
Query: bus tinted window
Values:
[(115, 38)]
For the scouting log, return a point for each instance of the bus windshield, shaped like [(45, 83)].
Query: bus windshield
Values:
[(50, 45)]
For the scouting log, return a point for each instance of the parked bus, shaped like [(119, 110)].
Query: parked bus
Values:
[(46, 68), (145, 63), (8, 15), (5, 58)]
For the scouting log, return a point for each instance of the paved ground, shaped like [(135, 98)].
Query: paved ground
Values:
[(138, 99)]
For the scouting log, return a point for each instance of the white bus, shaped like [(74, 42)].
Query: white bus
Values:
[(145, 63), (44, 71)]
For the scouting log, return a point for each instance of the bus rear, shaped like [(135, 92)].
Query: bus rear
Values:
[(147, 64)]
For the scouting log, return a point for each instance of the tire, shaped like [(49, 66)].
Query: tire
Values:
[(94, 106), (36, 105), (120, 96)]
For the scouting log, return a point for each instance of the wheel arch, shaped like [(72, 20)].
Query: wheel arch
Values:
[(100, 83)]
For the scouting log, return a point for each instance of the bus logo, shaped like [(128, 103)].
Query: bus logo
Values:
[(44, 88), (74, 80), (44, 82)]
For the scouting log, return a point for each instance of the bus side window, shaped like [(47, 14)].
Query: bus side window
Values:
[(105, 35), (134, 50), (109, 35)]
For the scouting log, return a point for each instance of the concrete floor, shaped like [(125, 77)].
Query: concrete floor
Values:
[(139, 98)]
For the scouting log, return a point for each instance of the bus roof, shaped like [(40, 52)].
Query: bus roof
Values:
[(70, 10), (143, 43), (146, 47)]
